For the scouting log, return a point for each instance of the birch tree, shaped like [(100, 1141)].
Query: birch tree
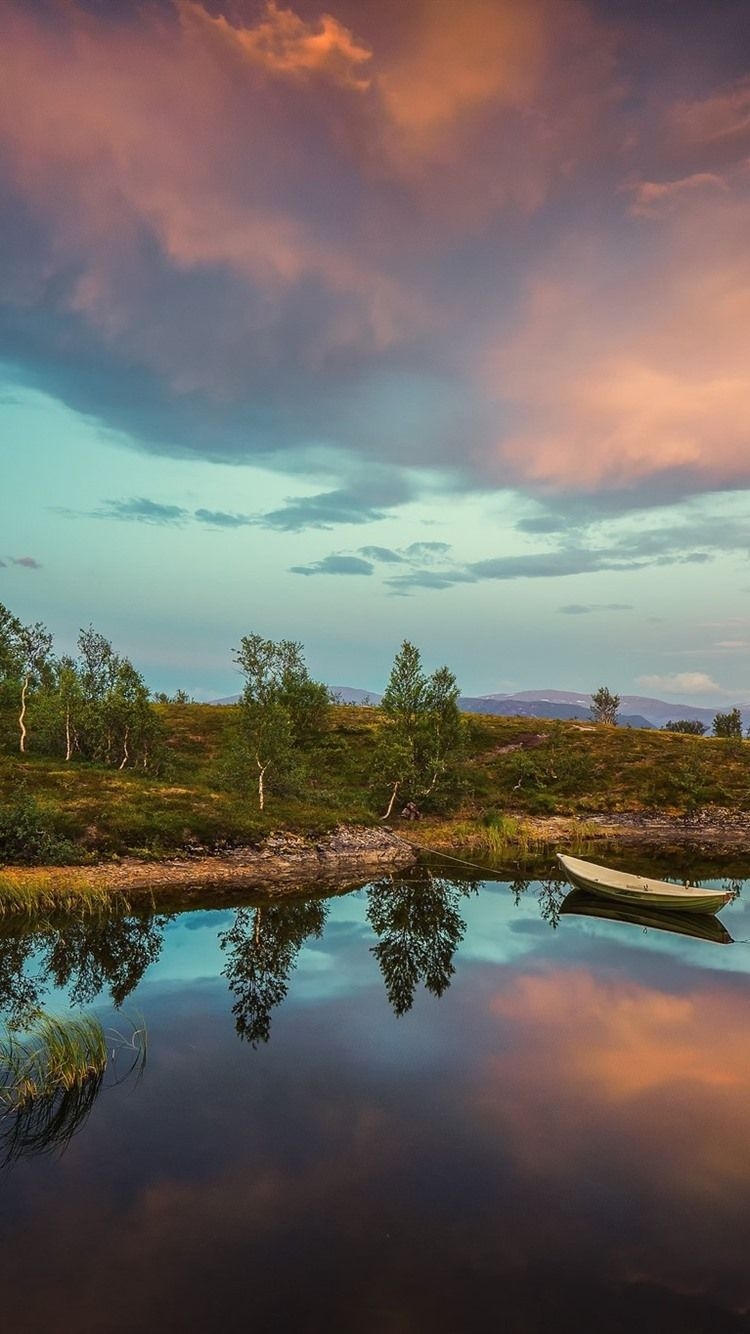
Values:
[(605, 707), (281, 708), (25, 659), (422, 729)]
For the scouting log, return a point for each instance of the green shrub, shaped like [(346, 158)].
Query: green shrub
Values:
[(28, 836)]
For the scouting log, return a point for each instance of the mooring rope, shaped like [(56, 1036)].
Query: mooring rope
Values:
[(435, 852)]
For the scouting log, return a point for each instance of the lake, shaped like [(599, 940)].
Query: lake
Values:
[(424, 1105)]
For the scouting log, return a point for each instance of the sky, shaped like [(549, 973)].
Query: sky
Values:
[(382, 321)]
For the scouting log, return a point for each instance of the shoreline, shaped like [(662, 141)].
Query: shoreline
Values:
[(288, 863), (282, 863)]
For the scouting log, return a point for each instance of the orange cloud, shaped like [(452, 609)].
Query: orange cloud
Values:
[(508, 99), (115, 131), (283, 43), (624, 372), (617, 1058)]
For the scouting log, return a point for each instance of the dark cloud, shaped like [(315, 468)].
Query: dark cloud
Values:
[(335, 565), (426, 550), (431, 565), (370, 498), (581, 609), (354, 504), (382, 554), (550, 564), (219, 519), (141, 510), (437, 579), (28, 562), (541, 523)]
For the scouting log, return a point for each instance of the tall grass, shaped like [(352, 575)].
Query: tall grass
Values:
[(57, 1054), (499, 836), (51, 1076), (46, 892)]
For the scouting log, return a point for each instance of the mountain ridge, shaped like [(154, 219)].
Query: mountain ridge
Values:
[(635, 710)]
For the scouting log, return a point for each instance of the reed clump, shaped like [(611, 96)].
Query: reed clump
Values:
[(51, 1076), (54, 1056), (48, 892)]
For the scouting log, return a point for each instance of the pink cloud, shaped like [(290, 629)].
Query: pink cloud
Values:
[(721, 120), (172, 128), (620, 375), (652, 199), (509, 99), (283, 43), (305, 200)]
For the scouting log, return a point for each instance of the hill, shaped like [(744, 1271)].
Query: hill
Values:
[(556, 767)]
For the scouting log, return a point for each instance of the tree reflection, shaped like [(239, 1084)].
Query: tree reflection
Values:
[(86, 955), (550, 898), (262, 946), (419, 927), (518, 888), (110, 953), (20, 990)]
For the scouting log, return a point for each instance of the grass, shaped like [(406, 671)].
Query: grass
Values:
[(57, 1055), (497, 837), (51, 1077), (47, 892), (501, 786)]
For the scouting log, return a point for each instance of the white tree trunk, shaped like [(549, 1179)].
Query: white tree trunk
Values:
[(68, 741), (125, 755), (22, 715), (261, 787), (396, 787)]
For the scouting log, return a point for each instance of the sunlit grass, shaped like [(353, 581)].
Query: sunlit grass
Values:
[(46, 892), (55, 1055)]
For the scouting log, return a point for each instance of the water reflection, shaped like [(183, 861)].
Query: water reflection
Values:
[(693, 925), (47, 1124), (418, 922), (419, 928), (262, 947), (87, 956), (559, 1144)]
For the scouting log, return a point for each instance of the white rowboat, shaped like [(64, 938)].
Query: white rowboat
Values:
[(636, 889)]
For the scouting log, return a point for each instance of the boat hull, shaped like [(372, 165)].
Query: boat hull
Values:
[(638, 891)]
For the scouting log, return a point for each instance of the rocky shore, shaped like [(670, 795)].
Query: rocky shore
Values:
[(282, 861)]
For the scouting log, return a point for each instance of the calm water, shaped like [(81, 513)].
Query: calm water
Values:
[(428, 1106)]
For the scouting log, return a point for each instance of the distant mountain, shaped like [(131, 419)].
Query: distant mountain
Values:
[(341, 694), (510, 706), (635, 710), (350, 695), (657, 712)]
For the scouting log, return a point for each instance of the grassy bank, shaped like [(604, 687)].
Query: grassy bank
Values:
[(515, 773)]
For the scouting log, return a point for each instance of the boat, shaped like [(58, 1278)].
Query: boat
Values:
[(625, 887), (704, 927)]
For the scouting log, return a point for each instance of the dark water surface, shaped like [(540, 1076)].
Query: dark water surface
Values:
[(425, 1105)]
